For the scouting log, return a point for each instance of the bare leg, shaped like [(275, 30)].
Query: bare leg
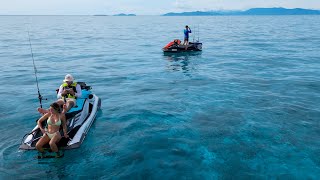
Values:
[(60, 102), (64, 109), (69, 105), (43, 140), (53, 142), (62, 105), (65, 106)]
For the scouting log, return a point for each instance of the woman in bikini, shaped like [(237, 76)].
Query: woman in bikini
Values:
[(51, 133)]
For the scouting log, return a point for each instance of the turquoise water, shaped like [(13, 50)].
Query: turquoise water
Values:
[(248, 106)]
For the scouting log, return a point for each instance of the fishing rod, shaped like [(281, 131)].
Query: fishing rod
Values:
[(194, 34), (198, 32), (35, 72)]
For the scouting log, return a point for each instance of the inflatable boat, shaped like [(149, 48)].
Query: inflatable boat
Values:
[(79, 121), (176, 46)]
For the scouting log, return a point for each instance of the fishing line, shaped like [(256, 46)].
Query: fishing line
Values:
[(35, 72)]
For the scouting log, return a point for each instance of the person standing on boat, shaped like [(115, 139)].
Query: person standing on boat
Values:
[(55, 118), (186, 36), (67, 94)]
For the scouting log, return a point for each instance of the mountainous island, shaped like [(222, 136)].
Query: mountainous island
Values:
[(253, 11), (122, 14)]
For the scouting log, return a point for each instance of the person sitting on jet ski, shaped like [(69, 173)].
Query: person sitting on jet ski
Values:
[(55, 118), (67, 94), (186, 36)]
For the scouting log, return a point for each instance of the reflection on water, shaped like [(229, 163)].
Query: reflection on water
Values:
[(184, 61)]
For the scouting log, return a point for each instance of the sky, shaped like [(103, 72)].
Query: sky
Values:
[(139, 7)]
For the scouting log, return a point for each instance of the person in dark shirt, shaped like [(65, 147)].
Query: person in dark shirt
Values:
[(186, 36)]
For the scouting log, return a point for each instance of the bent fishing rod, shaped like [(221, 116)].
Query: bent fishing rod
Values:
[(35, 72)]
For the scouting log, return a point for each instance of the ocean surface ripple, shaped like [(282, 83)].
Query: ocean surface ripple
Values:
[(247, 106)]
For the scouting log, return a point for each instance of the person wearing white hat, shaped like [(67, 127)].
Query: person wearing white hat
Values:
[(69, 91), (67, 94)]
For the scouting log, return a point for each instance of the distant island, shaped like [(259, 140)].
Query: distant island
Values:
[(122, 14), (253, 11)]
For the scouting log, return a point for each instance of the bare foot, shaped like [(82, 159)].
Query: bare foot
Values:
[(42, 111)]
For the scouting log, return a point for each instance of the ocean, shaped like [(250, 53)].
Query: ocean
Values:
[(246, 107)]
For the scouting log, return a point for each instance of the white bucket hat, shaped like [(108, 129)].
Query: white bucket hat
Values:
[(68, 77)]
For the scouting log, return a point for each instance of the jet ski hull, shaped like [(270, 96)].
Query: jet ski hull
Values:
[(193, 46), (79, 121)]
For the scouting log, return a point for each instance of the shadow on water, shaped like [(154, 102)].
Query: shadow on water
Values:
[(183, 61)]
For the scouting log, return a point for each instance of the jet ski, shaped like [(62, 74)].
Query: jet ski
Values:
[(176, 46), (79, 121)]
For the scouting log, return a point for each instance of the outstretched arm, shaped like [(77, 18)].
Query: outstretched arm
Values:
[(39, 122)]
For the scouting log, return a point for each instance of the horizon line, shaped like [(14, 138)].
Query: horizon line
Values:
[(218, 10)]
